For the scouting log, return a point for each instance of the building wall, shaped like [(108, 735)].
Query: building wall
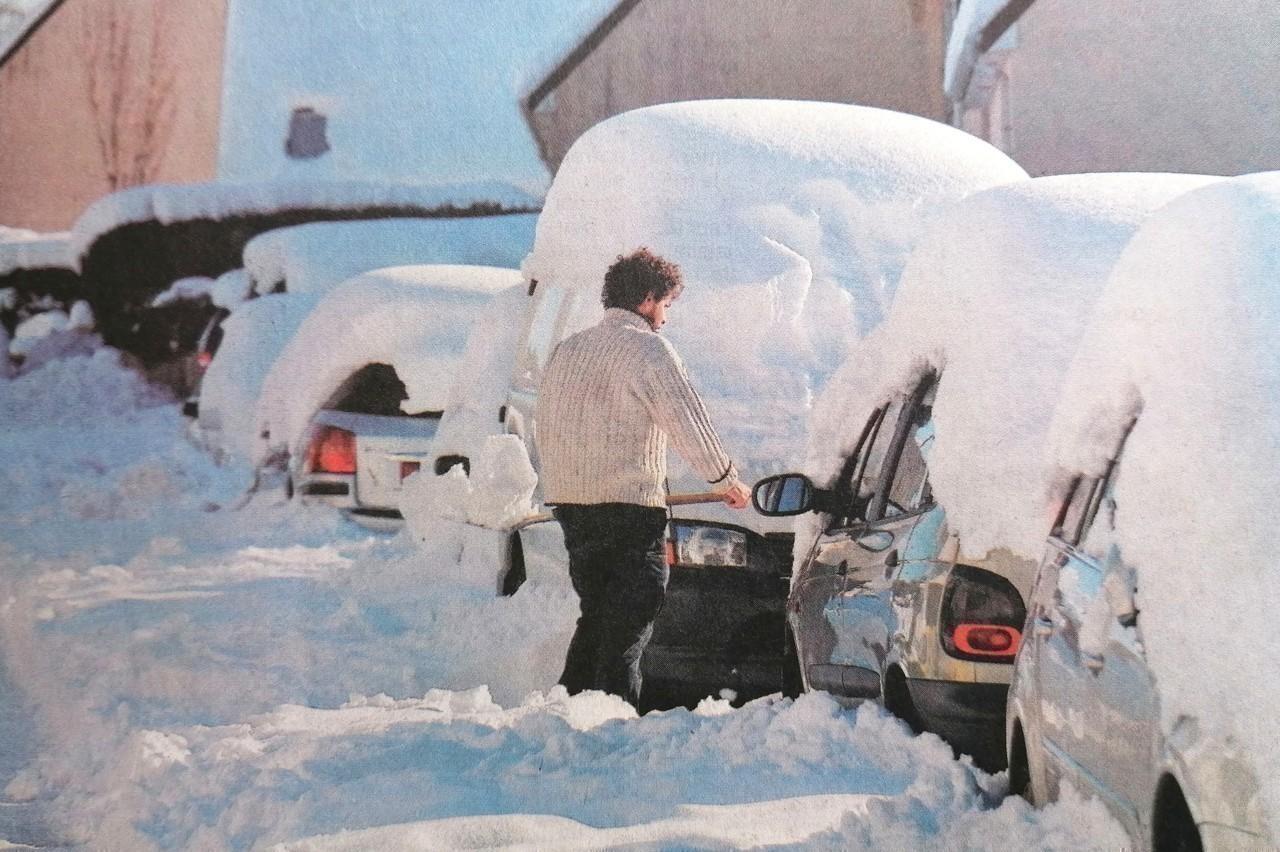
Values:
[(884, 53), (107, 94), (1182, 85)]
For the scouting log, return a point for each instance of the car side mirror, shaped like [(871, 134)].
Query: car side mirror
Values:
[(783, 495)]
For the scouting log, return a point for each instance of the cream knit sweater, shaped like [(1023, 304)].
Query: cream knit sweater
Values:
[(610, 398)]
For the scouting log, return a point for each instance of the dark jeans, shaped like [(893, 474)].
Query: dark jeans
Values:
[(618, 565)]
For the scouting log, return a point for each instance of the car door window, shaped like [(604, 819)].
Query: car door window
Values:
[(857, 478), (903, 483), (1070, 523), (1098, 531), (541, 338), (909, 491)]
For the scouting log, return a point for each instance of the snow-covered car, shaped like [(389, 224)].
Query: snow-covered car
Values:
[(288, 269), (791, 222), (354, 399), (1147, 675), (912, 574)]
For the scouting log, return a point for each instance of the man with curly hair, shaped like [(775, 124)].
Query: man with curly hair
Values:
[(610, 400)]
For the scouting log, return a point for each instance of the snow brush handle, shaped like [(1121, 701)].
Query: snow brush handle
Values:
[(672, 500)]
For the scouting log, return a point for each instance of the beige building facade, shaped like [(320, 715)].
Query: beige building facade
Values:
[(98, 95), (1068, 86), (883, 53)]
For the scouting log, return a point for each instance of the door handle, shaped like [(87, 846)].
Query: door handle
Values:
[(1043, 626), (1093, 662)]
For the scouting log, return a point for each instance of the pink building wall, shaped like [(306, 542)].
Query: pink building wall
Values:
[(106, 94)]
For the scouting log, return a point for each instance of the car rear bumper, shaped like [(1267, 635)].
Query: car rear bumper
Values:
[(703, 671), (969, 716)]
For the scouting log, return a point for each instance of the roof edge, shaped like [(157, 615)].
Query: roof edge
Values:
[(28, 29), (999, 23), (566, 66)]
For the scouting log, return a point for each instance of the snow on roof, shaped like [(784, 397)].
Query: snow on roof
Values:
[(23, 249), (168, 203), (791, 222), (416, 88), (321, 254), (995, 297), (415, 318), (1187, 337)]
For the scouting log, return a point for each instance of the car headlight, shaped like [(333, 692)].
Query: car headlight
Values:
[(704, 545)]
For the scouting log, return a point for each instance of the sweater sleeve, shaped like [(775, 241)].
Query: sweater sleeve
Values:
[(664, 388)]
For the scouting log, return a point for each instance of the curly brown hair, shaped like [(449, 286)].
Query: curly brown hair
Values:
[(635, 277)]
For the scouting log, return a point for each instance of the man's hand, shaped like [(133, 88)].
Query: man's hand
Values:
[(737, 496)]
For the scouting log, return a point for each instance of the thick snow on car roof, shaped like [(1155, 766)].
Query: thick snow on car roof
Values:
[(414, 318), (169, 203), (1187, 337), (318, 255), (791, 221), (996, 297)]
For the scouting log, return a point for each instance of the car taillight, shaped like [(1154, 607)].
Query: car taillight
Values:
[(982, 616), (987, 640), (692, 543), (204, 359), (332, 450)]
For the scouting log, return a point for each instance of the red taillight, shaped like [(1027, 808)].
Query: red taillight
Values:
[(409, 468), (671, 553), (987, 640), (204, 359), (332, 450)]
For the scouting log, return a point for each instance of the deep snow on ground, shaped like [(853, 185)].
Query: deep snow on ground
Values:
[(206, 675)]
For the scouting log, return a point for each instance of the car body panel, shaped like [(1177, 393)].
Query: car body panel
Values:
[(1088, 708)]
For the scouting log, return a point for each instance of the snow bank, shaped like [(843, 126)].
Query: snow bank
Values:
[(23, 249), (1201, 469), (413, 90), (169, 203), (318, 255), (415, 318), (791, 222), (211, 678), (51, 330), (995, 298)]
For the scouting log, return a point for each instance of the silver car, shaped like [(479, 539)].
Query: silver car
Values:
[(886, 606), (1084, 707), (360, 447)]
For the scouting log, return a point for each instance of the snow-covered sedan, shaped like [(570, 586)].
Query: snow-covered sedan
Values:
[(928, 448), (1148, 676), (354, 399)]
